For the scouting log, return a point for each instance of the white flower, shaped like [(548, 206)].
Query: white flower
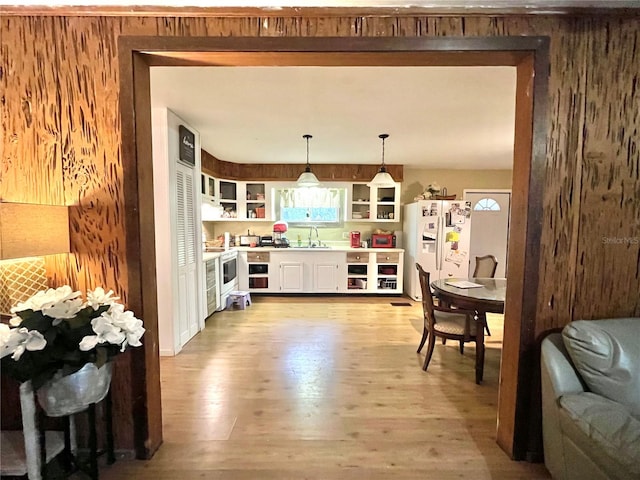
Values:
[(67, 309), (20, 339), (98, 298), (130, 325), (88, 342), (15, 321), (107, 331), (5, 333), (56, 303)]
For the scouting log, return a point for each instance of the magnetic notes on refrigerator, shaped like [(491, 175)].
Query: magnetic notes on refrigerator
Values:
[(457, 257), (452, 237)]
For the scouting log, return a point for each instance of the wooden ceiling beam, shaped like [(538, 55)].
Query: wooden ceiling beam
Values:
[(399, 9)]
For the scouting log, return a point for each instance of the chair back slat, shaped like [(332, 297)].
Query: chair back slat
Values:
[(427, 299)]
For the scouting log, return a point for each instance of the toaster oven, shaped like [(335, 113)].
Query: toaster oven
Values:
[(249, 240), (383, 240)]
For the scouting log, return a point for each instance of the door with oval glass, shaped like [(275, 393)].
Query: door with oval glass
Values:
[(491, 210)]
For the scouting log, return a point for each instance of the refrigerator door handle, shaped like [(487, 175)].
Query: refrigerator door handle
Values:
[(437, 242), (441, 242), (440, 245)]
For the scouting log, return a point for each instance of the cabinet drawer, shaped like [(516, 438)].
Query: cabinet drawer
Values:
[(262, 257), (353, 257), (387, 257)]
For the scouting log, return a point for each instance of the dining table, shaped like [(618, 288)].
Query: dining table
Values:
[(480, 295), (488, 296)]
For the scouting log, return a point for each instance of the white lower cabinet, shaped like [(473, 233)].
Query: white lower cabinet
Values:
[(330, 272), (374, 272), (325, 277), (292, 277), (388, 272)]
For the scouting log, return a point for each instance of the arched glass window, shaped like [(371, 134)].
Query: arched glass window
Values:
[(487, 204)]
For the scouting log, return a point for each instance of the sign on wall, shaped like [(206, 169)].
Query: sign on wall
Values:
[(187, 146)]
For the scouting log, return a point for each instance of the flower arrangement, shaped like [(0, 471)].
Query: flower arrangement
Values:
[(433, 189), (56, 330)]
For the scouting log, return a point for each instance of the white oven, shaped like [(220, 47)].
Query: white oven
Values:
[(228, 275)]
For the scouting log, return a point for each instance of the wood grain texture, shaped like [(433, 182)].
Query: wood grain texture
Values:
[(563, 172), (31, 170), (608, 250), (335, 393), (290, 172), (60, 122)]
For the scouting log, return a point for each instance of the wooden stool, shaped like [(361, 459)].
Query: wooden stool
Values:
[(240, 298)]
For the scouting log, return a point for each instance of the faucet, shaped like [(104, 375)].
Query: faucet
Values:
[(311, 230)]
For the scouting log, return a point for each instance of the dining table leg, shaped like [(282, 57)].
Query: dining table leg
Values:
[(482, 321)]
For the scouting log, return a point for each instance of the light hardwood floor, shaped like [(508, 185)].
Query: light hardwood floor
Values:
[(326, 388)]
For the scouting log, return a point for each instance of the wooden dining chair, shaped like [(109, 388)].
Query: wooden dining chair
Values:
[(485, 268), (446, 323)]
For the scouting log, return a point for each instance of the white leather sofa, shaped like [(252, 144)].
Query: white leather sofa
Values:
[(591, 400)]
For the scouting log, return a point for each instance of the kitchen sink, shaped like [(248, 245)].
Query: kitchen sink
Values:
[(311, 247)]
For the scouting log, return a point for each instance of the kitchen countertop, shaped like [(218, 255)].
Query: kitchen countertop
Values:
[(210, 255), (317, 249)]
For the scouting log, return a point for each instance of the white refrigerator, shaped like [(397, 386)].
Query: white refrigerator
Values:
[(436, 235)]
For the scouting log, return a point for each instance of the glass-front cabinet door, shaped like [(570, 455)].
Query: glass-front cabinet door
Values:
[(373, 204), (228, 197)]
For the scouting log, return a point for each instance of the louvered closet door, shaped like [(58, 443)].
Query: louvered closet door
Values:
[(186, 241)]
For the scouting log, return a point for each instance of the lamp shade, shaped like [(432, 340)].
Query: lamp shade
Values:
[(382, 180), (307, 179), (29, 230)]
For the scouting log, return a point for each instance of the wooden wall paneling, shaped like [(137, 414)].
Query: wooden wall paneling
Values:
[(91, 149), (398, 9), (146, 364), (608, 271), (30, 153), (145, 411), (563, 172), (31, 168), (34, 38), (291, 172), (94, 176)]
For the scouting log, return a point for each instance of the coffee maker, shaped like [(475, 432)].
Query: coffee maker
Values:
[(355, 239), (279, 239)]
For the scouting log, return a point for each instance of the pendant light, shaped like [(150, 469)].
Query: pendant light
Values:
[(382, 178), (307, 178)]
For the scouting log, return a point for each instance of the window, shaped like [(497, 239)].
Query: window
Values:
[(304, 206), (487, 204)]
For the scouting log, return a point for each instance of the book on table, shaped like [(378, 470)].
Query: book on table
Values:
[(463, 284)]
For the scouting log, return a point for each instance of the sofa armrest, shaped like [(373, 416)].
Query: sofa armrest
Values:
[(558, 378), (564, 378)]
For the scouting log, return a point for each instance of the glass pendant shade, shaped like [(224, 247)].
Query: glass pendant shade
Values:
[(307, 178), (382, 179)]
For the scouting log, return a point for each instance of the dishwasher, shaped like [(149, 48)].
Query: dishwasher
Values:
[(212, 280)]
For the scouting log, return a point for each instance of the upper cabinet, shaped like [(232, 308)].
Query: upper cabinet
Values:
[(256, 200), (207, 186), (373, 204), (235, 200), (253, 200), (228, 197)]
